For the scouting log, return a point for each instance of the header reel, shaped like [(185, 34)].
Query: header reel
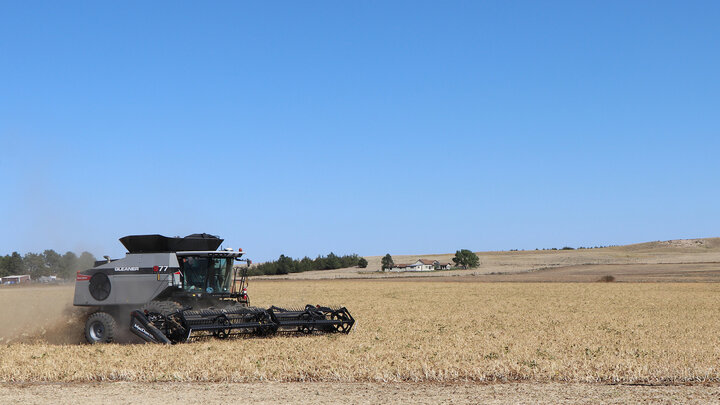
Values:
[(185, 324)]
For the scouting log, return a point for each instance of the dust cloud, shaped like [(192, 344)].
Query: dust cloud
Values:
[(40, 314)]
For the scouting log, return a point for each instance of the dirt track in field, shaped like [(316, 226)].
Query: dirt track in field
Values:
[(331, 393)]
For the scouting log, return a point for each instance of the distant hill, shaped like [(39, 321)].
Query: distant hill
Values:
[(676, 245), (705, 250)]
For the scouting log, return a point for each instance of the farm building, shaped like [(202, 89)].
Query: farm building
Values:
[(421, 265), (25, 278), (442, 265)]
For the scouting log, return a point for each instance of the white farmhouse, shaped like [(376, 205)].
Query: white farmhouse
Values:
[(421, 265)]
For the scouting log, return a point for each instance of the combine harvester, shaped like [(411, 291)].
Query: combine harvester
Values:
[(178, 289)]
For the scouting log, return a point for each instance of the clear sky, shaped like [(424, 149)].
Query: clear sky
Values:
[(358, 127)]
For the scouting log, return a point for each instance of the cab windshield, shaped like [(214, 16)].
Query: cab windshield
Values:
[(207, 274)]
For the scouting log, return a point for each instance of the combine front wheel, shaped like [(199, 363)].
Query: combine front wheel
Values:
[(100, 328)]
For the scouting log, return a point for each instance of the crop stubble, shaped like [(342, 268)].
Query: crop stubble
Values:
[(435, 332)]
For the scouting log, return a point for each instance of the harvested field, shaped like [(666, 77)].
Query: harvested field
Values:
[(435, 332), (356, 393)]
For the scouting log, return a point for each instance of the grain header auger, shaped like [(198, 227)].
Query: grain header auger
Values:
[(177, 289)]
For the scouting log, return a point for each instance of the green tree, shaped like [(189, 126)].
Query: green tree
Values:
[(53, 261), (86, 261), (69, 266), (332, 261), (35, 265), (4, 260), (267, 268), (284, 265), (319, 263), (466, 258), (349, 260), (14, 264), (362, 263), (306, 264), (387, 262)]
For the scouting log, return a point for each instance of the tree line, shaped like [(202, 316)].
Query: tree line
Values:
[(285, 264), (47, 263)]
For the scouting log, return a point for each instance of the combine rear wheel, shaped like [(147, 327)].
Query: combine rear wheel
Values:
[(100, 327)]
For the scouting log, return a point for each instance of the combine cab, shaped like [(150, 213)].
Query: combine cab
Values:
[(177, 289)]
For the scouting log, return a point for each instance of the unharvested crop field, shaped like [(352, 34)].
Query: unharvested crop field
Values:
[(406, 331)]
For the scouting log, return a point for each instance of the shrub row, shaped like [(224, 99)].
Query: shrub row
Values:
[(285, 264)]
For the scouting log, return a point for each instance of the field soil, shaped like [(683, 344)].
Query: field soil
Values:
[(675, 260), (354, 393)]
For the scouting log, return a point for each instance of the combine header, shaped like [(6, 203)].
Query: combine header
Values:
[(178, 289), (185, 324)]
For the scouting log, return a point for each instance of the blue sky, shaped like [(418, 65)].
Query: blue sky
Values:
[(358, 127)]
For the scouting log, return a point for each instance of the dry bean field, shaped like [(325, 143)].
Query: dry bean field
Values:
[(406, 331)]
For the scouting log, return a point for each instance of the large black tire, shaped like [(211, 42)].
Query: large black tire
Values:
[(100, 327)]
